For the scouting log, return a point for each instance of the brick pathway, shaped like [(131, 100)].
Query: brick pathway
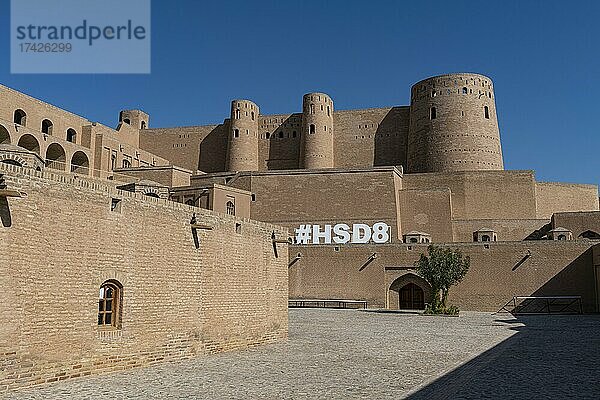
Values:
[(346, 354)]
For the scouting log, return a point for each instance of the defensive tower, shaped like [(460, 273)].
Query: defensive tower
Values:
[(243, 136), (135, 118), (317, 131), (453, 125)]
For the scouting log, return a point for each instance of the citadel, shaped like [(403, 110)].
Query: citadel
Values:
[(190, 234)]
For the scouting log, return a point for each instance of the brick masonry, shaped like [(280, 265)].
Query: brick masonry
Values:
[(498, 272), (61, 241)]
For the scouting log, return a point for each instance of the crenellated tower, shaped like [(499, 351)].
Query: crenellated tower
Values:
[(317, 131), (242, 154), (453, 125)]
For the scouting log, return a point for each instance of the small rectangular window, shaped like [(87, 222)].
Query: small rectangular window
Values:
[(115, 205), (238, 228)]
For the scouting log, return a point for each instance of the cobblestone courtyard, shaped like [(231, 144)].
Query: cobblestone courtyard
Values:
[(346, 354)]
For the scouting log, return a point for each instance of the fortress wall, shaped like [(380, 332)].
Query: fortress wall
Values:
[(483, 194), (506, 229), (427, 211), (193, 147), (495, 275), (370, 137), (37, 110), (62, 241), (282, 149), (556, 197), (577, 222), (324, 197)]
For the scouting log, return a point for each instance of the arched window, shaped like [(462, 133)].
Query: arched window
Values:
[(109, 304), (20, 117), (432, 113), (485, 238), (143, 125), (71, 135), (280, 135), (127, 121), (465, 91), (126, 164), (47, 127), (237, 114), (294, 134), (312, 108), (230, 207), (328, 111), (486, 112), (252, 115), (267, 135), (236, 133), (433, 93), (311, 129)]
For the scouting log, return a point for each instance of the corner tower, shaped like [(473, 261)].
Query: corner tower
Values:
[(242, 154), (317, 131), (453, 125)]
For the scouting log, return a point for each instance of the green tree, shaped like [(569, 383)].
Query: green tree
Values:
[(442, 268)]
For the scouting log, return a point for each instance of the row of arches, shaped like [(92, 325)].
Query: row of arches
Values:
[(55, 157), (47, 126)]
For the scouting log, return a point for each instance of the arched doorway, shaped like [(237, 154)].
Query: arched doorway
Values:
[(412, 297), (408, 292)]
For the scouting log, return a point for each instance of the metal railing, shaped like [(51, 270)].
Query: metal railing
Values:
[(326, 303), (523, 305)]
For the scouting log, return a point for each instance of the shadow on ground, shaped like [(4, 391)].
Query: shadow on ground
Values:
[(530, 364)]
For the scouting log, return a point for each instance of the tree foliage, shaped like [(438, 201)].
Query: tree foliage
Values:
[(442, 267)]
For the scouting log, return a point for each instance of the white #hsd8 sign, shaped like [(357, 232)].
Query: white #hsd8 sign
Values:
[(343, 233)]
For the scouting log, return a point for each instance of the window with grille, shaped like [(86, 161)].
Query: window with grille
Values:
[(109, 304)]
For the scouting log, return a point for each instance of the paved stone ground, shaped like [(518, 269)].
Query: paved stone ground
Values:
[(346, 354)]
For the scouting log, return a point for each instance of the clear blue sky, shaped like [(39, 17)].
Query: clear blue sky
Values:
[(544, 58)]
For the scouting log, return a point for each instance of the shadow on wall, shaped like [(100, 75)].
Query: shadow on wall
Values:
[(539, 234), (576, 279), (5, 213), (548, 357), (391, 139), (284, 152), (213, 150)]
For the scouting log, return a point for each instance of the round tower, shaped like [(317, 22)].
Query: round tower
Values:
[(242, 154), (317, 131), (453, 125)]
